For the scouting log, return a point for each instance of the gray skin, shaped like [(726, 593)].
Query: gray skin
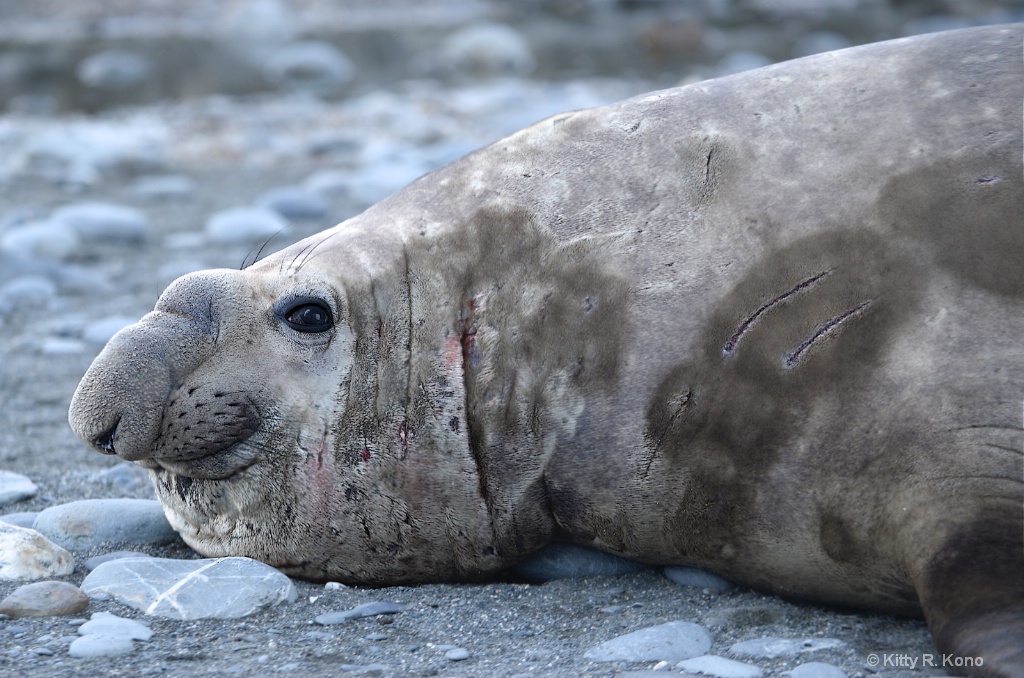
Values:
[(769, 325)]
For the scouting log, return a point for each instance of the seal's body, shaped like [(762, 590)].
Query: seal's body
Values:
[(769, 325)]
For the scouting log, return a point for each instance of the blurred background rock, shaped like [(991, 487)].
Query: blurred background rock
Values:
[(91, 55)]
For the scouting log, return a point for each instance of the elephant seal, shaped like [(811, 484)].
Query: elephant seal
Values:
[(768, 325)]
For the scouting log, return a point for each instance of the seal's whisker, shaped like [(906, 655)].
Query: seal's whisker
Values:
[(260, 250)]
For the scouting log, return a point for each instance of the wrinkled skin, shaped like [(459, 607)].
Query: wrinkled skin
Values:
[(770, 326)]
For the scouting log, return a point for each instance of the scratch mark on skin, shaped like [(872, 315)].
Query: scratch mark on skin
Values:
[(681, 402), (734, 340), (793, 358)]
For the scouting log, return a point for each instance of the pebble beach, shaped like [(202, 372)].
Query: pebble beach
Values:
[(142, 141)]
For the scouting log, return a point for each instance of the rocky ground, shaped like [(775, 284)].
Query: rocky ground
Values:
[(320, 152)]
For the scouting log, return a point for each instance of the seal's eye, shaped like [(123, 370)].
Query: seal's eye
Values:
[(309, 316)]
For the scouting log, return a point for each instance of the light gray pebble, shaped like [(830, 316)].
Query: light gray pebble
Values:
[(107, 624), (164, 187), (769, 648), (104, 222), (816, 670), (114, 69), (27, 292), (241, 225), (22, 519), (215, 588), (102, 330), (94, 562), (42, 239), (691, 576), (563, 561), (294, 202), (61, 346), (371, 609), (457, 654), (314, 66), (377, 636), (380, 669), (739, 61), (817, 42), (88, 647), (14, 487), (80, 525), (719, 667), (673, 642), (125, 476), (378, 180), (328, 182), (485, 50)]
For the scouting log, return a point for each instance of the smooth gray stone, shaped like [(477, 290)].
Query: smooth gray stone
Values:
[(769, 648), (14, 487), (164, 187), (371, 609), (26, 293), (719, 667), (315, 66), (457, 654), (242, 225), (127, 477), (691, 576), (102, 330), (81, 525), (294, 202), (24, 519), (114, 69), (104, 222), (486, 50), (217, 588), (42, 239), (670, 642), (816, 670), (565, 561)]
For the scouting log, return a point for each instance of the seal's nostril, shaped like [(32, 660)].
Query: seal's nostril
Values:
[(104, 442)]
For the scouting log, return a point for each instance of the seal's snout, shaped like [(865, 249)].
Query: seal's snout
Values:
[(120, 402)]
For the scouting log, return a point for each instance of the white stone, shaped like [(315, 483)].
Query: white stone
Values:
[(103, 330), (27, 293), (816, 670), (104, 222), (92, 646), (720, 667), (769, 648), (44, 239), (220, 588), (107, 624), (25, 555), (14, 487)]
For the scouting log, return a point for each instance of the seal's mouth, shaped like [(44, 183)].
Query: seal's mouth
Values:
[(224, 465)]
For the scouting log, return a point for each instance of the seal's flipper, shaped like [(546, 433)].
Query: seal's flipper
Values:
[(972, 593)]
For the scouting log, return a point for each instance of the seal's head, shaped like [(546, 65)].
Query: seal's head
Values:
[(271, 406)]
